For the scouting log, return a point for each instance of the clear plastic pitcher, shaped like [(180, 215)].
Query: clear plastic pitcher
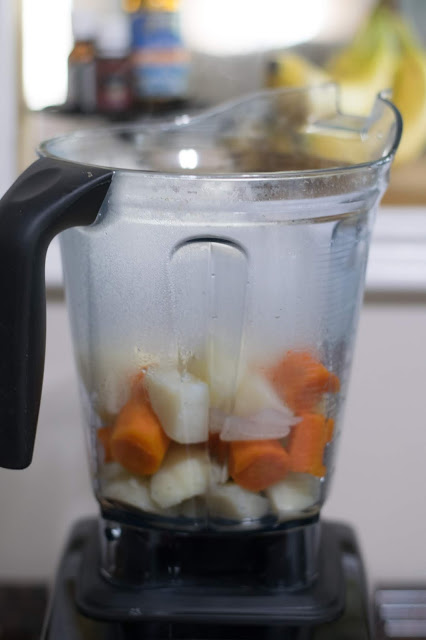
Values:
[(214, 274)]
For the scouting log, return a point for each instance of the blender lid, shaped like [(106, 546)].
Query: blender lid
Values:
[(274, 133)]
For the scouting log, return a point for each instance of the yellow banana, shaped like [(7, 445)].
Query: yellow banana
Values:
[(367, 66), (409, 94)]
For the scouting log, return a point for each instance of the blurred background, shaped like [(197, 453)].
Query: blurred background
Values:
[(76, 63), (73, 64)]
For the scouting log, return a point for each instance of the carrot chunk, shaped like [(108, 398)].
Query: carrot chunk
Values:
[(104, 436), (306, 445), (300, 380), (257, 464), (138, 441)]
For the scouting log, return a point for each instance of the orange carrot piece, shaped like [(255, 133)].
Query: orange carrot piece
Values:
[(300, 380), (139, 442), (104, 436), (306, 445), (218, 448), (257, 464)]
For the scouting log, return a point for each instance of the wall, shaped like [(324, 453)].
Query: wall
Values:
[(8, 101), (381, 472)]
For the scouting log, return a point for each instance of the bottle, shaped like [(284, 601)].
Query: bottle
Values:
[(131, 5), (160, 61), (81, 63), (113, 71)]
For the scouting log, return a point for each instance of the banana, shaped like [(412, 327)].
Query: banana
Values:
[(409, 93), (383, 55), (293, 70), (367, 66)]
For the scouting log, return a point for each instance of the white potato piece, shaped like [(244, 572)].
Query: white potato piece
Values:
[(193, 508), (219, 473), (108, 373), (132, 491), (221, 373), (235, 503), (185, 473), (255, 394), (111, 471), (181, 403), (298, 491)]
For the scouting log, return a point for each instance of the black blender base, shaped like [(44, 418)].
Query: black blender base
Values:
[(64, 621)]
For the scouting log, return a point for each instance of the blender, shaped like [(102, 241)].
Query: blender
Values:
[(214, 271)]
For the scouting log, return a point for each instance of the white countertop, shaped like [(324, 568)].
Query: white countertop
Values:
[(397, 262)]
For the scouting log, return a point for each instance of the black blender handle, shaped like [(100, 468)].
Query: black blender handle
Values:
[(50, 196)]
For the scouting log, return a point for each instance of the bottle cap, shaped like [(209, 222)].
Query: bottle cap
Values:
[(84, 25), (113, 37)]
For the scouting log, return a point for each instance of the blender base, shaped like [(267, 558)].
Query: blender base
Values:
[(66, 622), (255, 577)]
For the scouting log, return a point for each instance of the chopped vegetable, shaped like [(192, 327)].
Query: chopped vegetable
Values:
[(212, 439), (221, 372), (104, 436), (235, 503), (109, 375), (300, 380), (216, 420), (296, 492), (306, 445), (181, 404), (138, 441), (255, 393), (131, 490), (218, 472), (193, 508), (111, 471), (257, 464), (268, 424), (184, 474)]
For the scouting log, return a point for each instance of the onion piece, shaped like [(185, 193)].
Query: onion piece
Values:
[(267, 424)]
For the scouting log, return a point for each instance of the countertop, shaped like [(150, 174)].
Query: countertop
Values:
[(22, 610)]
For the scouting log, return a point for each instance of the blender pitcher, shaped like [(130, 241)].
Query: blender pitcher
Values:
[(214, 270)]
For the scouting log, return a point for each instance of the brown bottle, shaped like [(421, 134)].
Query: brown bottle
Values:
[(113, 72), (81, 63)]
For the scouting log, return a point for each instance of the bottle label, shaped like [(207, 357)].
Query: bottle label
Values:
[(113, 86), (160, 61)]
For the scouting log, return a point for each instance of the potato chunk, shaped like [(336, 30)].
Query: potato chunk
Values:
[(185, 473), (235, 503), (298, 491), (181, 403)]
